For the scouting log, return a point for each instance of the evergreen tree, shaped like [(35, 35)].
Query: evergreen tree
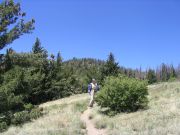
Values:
[(172, 72), (40, 82), (164, 72), (16, 87), (12, 24), (59, 59), (37, 48), (3, 102), (110, 68), (158, 74), (151, 76), (7, 61)]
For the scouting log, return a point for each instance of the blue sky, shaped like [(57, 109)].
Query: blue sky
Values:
[(139, 32)]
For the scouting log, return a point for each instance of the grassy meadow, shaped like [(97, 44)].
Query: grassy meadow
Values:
[(62, 117), (162, 117)]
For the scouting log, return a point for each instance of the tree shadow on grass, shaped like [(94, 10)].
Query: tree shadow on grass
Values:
[(111, 113), (107, 112)]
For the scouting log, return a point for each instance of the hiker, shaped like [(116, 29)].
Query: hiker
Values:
[(92, 89)]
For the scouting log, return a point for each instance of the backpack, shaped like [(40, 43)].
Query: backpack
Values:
[(90, 88)]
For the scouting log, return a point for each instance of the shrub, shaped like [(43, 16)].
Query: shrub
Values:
[(123, 94), (172, 79), (20, 117), (36, 113), (6, 117), (3, 126), (28, 107)]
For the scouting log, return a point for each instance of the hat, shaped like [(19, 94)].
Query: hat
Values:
[(93, 79)]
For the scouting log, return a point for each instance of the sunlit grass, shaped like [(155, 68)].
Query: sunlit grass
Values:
[(162, 116), (62, 117)]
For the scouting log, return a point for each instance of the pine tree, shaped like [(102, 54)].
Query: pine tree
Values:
[(172, 72), (158, 74), (59, 59), (164, 72), (151, 76), (7, 61), (37, 48), (12, 24), (110, 68)]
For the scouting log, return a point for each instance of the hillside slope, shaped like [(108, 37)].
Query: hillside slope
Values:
[(63, 117)]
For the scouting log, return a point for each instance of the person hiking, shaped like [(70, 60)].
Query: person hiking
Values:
[(92, 89)]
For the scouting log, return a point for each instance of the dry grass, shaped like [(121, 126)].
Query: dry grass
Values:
[(62, 117), (162, 117)]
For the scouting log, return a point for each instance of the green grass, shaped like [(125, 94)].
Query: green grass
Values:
[(162, 116), (62, 117), (80, 106)]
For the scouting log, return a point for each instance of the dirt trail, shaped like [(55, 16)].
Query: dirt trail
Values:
[(91, 130)]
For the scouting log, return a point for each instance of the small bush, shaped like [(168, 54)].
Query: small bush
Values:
[(3, 126), (172, 79), (6, 117), (123, 94), (36, 113), (25, 116), (20, 117), (28, 107)]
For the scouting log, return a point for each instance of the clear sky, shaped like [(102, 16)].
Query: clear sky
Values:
[(139, 32)]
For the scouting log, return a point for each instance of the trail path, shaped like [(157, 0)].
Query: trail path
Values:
[(90, 127)]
